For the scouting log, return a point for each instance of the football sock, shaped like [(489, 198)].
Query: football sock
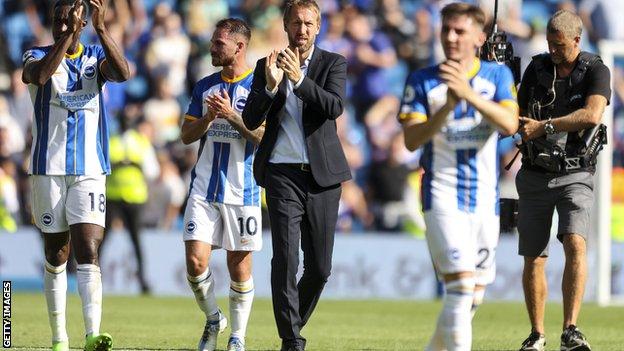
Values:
[(437, 340), (203, 288), (241, 299), (477, 300), (456, 316), (90, 290), (55, 290)]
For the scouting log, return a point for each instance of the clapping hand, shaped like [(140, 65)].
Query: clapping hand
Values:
[(453, 74), (274, 75), (288, 61), (75, 22), (99, 13), (210, 112), (221, 104)]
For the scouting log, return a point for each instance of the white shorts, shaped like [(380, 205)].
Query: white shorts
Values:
[(60, 201), (232, 227), (463, 242)]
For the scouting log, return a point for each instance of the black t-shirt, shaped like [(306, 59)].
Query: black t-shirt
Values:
[(596, 81), (570, 94)]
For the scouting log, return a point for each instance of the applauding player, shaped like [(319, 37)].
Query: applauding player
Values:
[(69, 159), (223, 209)]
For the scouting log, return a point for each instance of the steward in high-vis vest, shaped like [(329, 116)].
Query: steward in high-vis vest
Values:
[(134, 164), (128, 153)]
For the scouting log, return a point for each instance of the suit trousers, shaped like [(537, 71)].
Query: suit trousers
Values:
[(299, 210)]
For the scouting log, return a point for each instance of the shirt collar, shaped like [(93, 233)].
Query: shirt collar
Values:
[(77, 53), (306, 62)]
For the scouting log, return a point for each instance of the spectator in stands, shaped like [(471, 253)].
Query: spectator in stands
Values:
[(373, 52), (166, 195), (353, 212), (163, 112), (167, 54), (603, 19), (418, 50), (334, 39), (12, 135), (388, 184), (19, 102)]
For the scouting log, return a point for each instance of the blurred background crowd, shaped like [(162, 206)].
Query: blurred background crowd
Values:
[(167, 44)]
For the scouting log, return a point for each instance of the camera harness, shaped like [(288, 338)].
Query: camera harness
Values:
[(549, 154)]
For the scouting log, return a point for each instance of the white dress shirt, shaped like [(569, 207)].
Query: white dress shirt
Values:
[(290, 146)]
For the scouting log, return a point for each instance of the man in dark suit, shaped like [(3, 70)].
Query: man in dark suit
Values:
[(299, 92)]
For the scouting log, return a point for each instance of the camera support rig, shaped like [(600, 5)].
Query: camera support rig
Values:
[(497, 48)]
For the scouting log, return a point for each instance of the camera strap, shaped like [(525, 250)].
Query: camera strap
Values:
[(508, 166)]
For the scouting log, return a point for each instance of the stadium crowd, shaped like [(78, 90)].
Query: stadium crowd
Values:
[(167, 44)]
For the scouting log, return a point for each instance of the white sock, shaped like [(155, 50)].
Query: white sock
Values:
[(477, 300), (55, 290), (203, 288), (241, 299), (437, 340), (456, 316), (90, 290)]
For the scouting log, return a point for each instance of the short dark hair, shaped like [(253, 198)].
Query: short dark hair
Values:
[(310, 4), (464, 9), (236, 26), (60, 3)]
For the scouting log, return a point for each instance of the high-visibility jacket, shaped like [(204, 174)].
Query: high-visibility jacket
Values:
[(127, 153), (7, 222)]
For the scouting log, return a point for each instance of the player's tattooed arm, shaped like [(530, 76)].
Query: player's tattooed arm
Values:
[(254, 136), (222, 105), (115, 67), (38, 72), (194, 128)]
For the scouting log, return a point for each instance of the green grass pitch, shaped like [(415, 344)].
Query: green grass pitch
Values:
[(157, 323)]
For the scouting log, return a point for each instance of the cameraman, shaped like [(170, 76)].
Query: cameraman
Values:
[(564, 93)]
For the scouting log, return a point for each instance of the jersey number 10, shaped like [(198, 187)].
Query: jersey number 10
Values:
[(249, 227)]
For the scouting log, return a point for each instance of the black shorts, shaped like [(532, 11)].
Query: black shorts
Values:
[(539, 195)]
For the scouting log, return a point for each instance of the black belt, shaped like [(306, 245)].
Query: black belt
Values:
[(300, 166)]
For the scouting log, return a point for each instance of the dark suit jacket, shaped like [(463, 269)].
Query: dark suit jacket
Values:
[(323, 93)]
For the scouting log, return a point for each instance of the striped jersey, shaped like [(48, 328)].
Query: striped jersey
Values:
[(460, 162), (70, 131), (223, 172)]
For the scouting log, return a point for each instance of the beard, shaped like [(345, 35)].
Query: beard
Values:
[(303, 47), (556, 59), (222, 61)]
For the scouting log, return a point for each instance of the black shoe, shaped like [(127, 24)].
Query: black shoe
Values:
[(293, 345), (573, 340), (292, 348), (535, 342)]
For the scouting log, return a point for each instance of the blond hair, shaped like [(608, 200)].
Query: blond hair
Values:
[(566, 23), (309, 4)]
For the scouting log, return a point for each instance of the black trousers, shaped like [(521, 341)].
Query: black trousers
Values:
[(299, 210)]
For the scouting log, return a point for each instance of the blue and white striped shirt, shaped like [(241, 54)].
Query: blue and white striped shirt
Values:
[(70, 131), (223, 172), (461, 161)]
